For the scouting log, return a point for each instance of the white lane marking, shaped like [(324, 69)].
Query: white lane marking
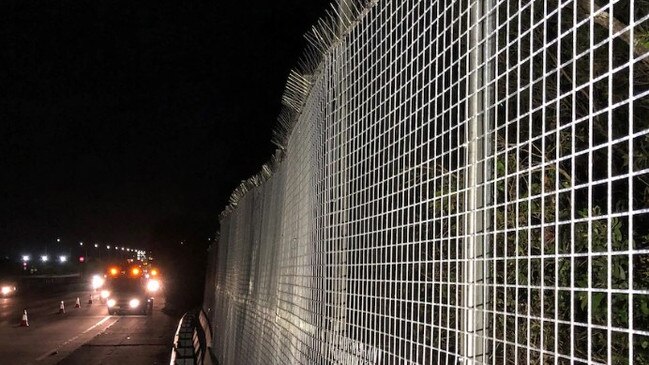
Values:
[(48, 353)]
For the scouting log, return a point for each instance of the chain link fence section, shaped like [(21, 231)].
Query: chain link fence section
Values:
[(466, 182)]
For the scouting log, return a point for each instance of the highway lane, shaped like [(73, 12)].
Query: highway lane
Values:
[(38, 304), (53, 338), (131, 340), (49, 331)]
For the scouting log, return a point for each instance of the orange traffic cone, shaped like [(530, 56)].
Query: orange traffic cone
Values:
[(24, 322), (90, 300), (77, 304), (61, 308)]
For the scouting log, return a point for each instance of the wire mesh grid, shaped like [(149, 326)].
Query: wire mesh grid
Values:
[(468, 182)]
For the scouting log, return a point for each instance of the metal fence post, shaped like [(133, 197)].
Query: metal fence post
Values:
[(479, 195)]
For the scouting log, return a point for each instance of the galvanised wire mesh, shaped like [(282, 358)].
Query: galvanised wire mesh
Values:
[(466, 182)]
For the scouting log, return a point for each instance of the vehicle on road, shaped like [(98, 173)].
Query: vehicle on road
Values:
[(7, 288), (8, 276), (127, 293)]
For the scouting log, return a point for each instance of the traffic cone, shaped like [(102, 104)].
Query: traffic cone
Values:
[(90, 300), (77, 304), (24, 322), (62, 308)]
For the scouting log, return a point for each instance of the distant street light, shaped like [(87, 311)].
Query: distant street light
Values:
[(26, 258), (63, 259), (58, 240), (44, 258), (96, 245), (108, 247), (80, 243)]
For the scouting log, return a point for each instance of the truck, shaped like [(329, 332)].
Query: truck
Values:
[(127, 292)]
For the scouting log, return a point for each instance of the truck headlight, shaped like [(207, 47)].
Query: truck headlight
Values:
[(97, 282), (134, 303), (153, 285), (111, 303), (6, 290), (105, 294)]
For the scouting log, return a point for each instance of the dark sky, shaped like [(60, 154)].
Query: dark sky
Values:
[(131, 121)]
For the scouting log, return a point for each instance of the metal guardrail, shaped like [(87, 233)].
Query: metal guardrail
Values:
[(50, 276), (191, 340)]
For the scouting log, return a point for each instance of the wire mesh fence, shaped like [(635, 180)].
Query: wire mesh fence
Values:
[(465, 182)]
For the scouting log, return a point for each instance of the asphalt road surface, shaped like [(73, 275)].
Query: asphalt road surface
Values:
[(85, 335)]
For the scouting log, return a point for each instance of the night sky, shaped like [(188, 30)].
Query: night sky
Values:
[(131, 122)]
